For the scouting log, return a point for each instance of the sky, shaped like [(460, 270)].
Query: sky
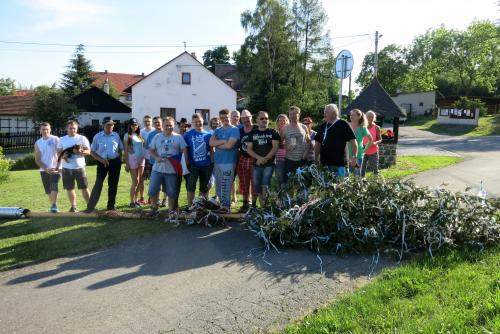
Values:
[(200, 24)]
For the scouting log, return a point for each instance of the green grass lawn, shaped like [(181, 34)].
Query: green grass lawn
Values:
[(408, 165), (488, 126), (454, 292), (27, 241)]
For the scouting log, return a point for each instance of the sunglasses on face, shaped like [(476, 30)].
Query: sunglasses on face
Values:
[(264, 118)]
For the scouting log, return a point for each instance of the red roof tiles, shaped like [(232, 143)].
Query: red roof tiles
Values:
[(119, 80)]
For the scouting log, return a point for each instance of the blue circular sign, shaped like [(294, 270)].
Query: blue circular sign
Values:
[(344, 64)]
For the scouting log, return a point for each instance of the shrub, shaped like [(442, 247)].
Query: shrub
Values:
[(471, 104), (5, 165), (26, 162)]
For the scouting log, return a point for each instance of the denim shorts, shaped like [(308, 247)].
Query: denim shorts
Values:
[(168, 181), (262, 177)]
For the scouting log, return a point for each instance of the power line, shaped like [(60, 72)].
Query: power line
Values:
[(115, 46)]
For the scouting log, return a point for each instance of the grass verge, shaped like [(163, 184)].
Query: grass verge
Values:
[(488, 126), (408, 165), (454, 292)]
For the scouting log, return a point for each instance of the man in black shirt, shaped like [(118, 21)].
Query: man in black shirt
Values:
[(262, 144), (331, 138)]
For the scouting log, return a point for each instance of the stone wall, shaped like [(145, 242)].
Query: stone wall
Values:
[(387, 154)]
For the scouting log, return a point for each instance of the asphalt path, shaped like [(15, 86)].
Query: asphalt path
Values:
[(481, 160), (188, 280)]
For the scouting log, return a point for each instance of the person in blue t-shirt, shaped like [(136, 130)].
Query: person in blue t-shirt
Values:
[(225, 140), (200, 158)]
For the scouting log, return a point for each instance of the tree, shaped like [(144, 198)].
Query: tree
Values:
[(392, 69), (53, 106), (7, 86), (218, 55), (309, 21), (78, 77)]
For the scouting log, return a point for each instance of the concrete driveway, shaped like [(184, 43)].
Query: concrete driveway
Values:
[(481, 159)]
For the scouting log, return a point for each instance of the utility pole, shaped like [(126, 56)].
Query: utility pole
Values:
[(375, 58)]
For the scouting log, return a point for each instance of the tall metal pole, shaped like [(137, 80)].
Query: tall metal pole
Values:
[(342, 71), (375, 58)]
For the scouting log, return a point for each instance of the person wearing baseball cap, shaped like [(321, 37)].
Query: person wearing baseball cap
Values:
[(107, 149)]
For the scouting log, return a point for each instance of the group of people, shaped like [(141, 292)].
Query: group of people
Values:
[(166, 152)]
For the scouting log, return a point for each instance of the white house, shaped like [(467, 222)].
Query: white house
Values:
[(180, 88), (418, 103)]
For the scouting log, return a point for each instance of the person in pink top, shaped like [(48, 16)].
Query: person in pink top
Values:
[(371, 151)]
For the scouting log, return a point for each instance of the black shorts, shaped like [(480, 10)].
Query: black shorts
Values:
[(50, 182), (69, 176)]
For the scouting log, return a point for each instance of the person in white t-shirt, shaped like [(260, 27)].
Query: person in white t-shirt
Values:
[(46, 159), (74, 148), (147, 121)]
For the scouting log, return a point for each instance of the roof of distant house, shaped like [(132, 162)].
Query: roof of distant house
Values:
[(374, 97), (230, 72), (12, 105), (120, 80), (24, 92)]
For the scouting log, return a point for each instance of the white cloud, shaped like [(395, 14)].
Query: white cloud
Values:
[(53, 15)]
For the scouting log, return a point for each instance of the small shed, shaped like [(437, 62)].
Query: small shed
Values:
[(375, 98)]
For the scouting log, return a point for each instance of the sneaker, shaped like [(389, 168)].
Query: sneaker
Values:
[(154, 213), (88, 210), (54, 208), (111, 208), (141, 201), (134, 205), (73, 209)]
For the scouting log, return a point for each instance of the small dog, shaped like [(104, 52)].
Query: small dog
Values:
[(68, 152)]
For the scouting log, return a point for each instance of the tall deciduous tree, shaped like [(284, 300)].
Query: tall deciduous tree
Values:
[(392, 68), (218, 55), (7, 86), (310, 19), (53, 106), (78, 77)]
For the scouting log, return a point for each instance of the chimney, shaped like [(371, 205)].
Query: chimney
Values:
[(105, 71), (194, 55), (142, 73), (105, 87)]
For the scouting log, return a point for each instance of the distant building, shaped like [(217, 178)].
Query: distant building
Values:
[(180, 88), (95, 104), (14, 111), (418, 103), (121, 81)]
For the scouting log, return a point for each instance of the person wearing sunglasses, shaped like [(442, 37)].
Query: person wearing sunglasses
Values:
[(262, 145), (157, 128), (331, 140), (147, 122), (245, 163)]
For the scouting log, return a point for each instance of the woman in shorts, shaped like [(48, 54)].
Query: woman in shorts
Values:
[(134, 158)]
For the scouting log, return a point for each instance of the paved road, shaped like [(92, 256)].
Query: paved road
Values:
[(481, 159), (189, 280)]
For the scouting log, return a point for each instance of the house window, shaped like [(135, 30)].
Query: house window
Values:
[(5, 125), (205, 113), (167, 112), (186, 78), (22, 125), (95, 122)]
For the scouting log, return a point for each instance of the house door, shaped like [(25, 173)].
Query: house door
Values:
[(167, 112)]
